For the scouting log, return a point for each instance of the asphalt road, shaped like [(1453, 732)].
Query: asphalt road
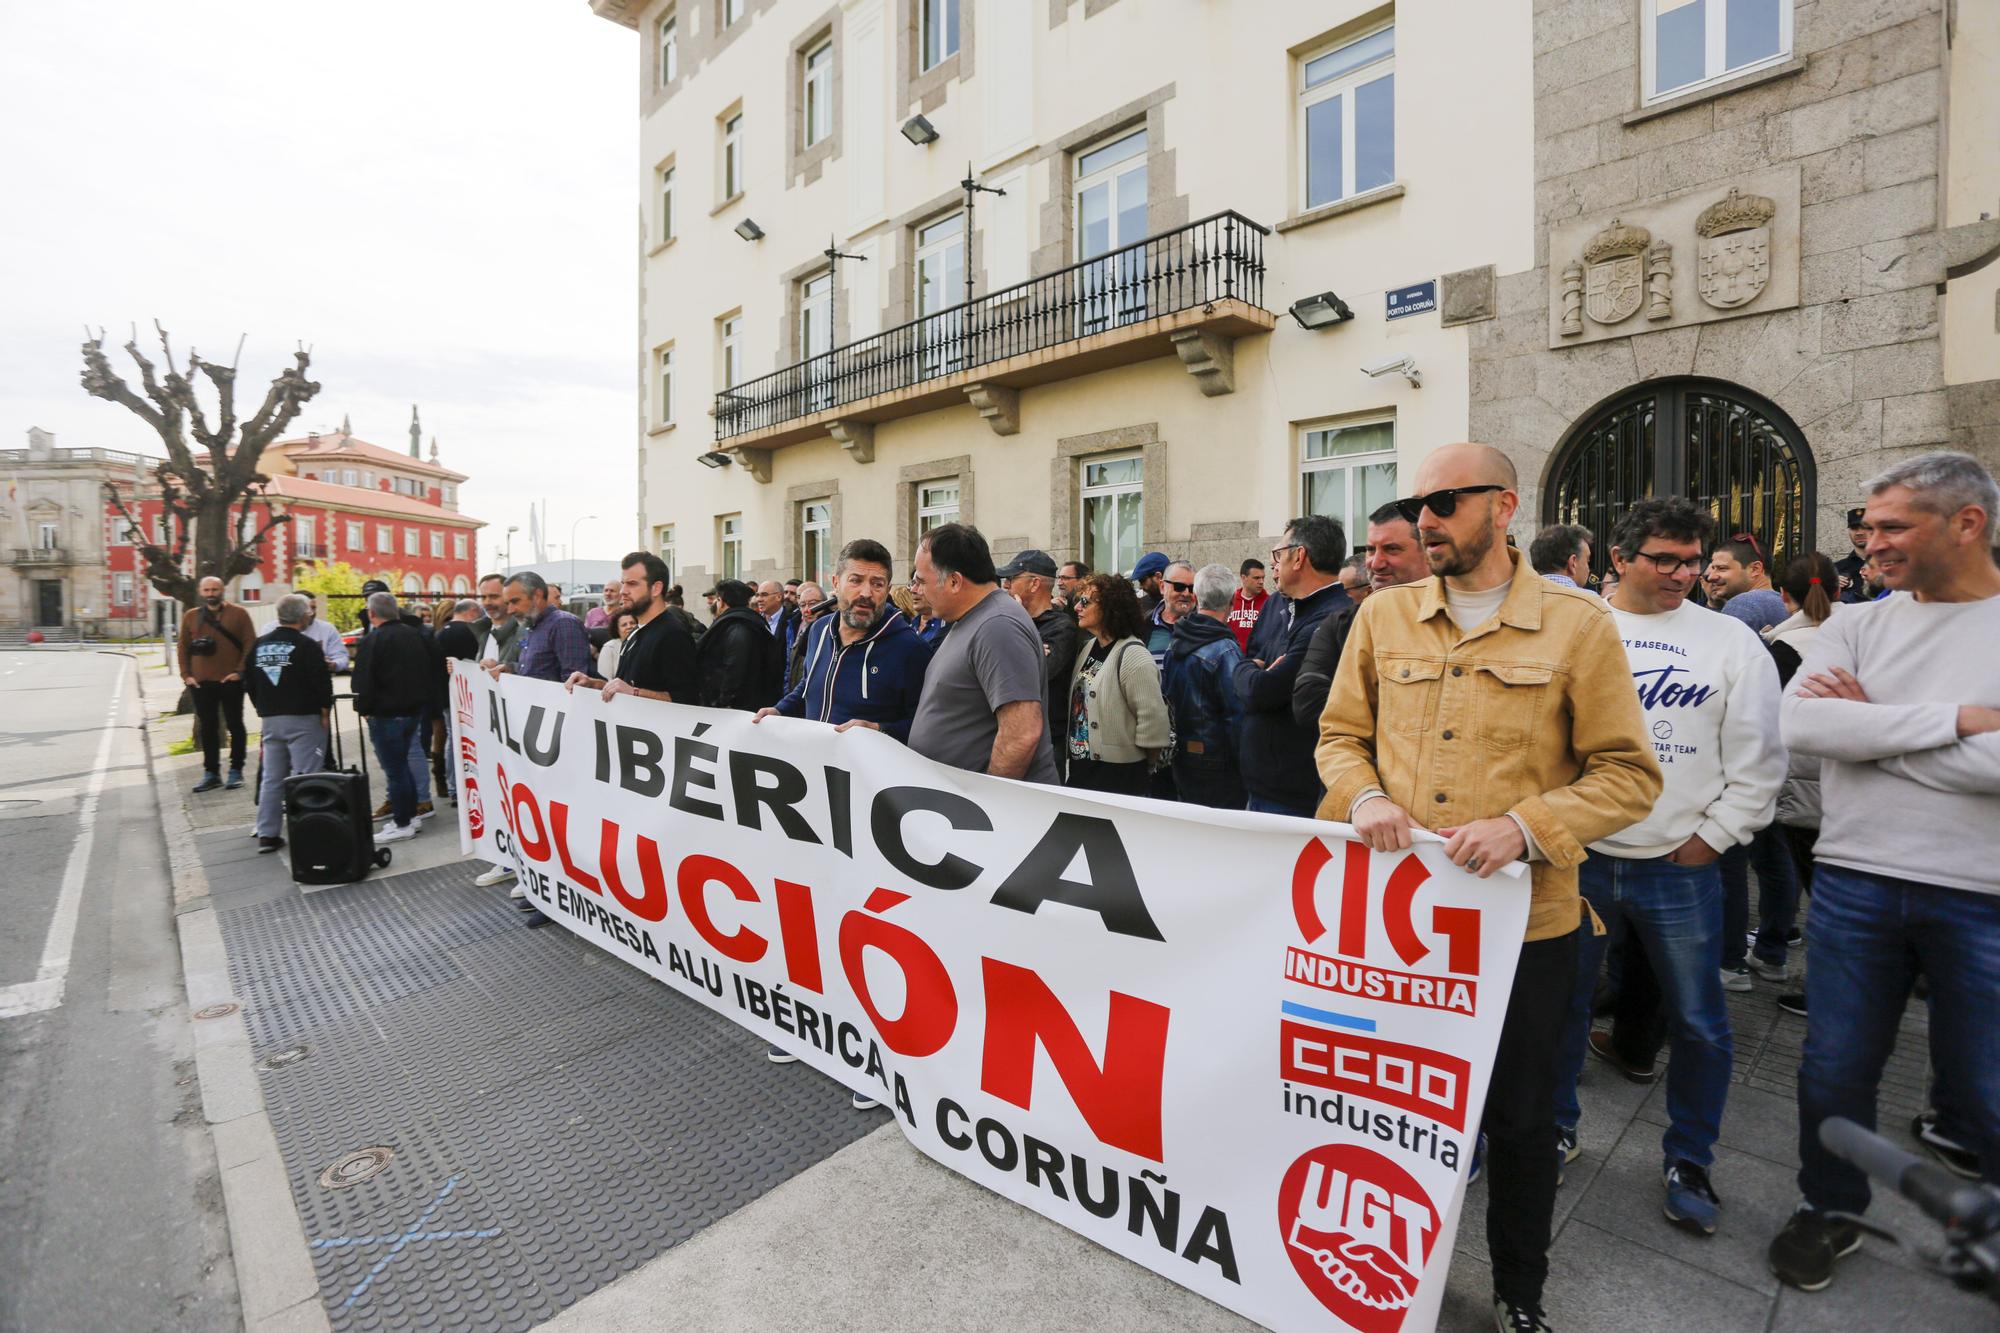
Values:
[(111, 1212)]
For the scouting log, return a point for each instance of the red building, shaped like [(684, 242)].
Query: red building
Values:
[(386, 513)]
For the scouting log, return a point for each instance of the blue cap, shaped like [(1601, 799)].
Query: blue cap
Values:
[(1151, 563)]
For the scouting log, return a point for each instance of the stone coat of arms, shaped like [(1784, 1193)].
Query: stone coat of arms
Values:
[(1733, 252), (1614, 275)]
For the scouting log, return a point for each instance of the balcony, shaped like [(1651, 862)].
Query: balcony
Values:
[(1189, 292), (40, 555)]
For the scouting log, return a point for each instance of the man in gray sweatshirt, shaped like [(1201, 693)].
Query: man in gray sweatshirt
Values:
[(1900, 699)]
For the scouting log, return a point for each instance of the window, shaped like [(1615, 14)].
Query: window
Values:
[(450, 494), (664, 408), (437, 546), (458, 546), (670, 50), (732, 10), (731, 526), (123, 585), (251, 589), (461, 586), (732, 351), (818, 98), (368, 479), (48, 536), (816, 335), (940, 31), (1688, 43), (732, 156), (436, 585), (663, 542), (160, 531), (411, 544), (1110, 203), (1348, 472), (815, 540), (937, 505), (1113, 492), (1347, 114), (412, 584), (666, 204), (305, 532), (385, 539), (357, 535), (941, 286), (351, 477)]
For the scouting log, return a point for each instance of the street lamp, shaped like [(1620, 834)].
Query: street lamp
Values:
[(509, 561), (572, 551)]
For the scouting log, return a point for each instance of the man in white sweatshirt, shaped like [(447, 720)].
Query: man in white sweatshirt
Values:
[(1710, 693), (1900, 699)]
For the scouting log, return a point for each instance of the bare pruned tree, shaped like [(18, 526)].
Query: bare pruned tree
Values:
[(209, 497)]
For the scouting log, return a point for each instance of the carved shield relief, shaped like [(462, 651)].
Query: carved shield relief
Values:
[(1734, 267), (1612, 289)]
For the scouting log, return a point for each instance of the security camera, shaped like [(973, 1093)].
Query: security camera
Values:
[(1406, 366)]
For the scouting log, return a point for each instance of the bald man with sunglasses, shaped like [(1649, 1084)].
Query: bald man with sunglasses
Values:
[(1495, 708)]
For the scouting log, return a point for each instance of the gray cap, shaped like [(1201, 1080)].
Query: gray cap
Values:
[(1029, 561)]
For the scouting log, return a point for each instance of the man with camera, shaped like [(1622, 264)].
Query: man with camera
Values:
[(215, 641)]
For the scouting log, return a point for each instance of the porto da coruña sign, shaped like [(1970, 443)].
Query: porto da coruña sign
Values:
[(1241, 1050)]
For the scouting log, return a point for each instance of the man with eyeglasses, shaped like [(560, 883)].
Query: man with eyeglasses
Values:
[(1497, 709), (1739, 583), (1176, 601), (1710, 693), (1275, 752)]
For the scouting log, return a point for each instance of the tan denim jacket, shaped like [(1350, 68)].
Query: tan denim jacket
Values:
[(1532, 714)]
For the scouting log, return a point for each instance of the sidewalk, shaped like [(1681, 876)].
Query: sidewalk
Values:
[(559, 1137)]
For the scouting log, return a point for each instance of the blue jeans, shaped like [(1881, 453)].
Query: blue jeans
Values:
[(1871, 936), (1255, 802), (1777, 896), (1676, 914), (391, 737)]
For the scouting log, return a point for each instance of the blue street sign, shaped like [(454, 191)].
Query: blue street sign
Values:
[(1417, 300)]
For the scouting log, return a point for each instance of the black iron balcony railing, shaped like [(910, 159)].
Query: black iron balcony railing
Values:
[(1218, 258)]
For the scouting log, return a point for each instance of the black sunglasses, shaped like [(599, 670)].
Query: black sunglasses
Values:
[(1082, 602), (1442, 503), (1178, 586)]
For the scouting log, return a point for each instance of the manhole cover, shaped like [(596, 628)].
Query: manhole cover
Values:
[(223, 1010), (359, 1165), (291, 1055)]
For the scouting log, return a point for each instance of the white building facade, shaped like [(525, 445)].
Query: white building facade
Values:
[(1098, 360)]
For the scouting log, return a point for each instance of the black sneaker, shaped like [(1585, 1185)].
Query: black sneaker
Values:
[(1511, 1318), (209, 782), (269, 845), (1803, 1254), (235, 779), (1952, 1155), (1793, 1002), (778, 1055), (1691, 1203)]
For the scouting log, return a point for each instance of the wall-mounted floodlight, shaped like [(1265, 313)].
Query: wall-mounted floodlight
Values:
[(1320, 312), (919, 131), (749, 230), (714, 458)]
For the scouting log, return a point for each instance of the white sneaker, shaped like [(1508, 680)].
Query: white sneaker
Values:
[(1736, 978), (862, 1103), (397, 833), (497, 875), (516, 894), (1778, 972)]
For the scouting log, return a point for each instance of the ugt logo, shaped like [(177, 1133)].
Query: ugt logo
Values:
[(1358, 1230), (1455, 930)]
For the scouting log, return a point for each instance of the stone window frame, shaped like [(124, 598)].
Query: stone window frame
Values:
[(924, 90), (1066, 485), (661, 82), (1165, 210), (909, 479), (791, 350), (805, 164), (1649, 97), (796, 499), (723, 198)]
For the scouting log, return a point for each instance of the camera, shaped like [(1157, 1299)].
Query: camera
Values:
[(202, 647), (1406, 366)]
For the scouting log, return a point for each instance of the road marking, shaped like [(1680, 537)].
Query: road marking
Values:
[(46, 990)]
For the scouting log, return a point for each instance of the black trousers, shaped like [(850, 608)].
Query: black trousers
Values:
[(215, 703), (1096, 775), (1520, 1120)]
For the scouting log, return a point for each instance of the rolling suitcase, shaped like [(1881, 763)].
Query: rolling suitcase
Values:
[(328, 822)]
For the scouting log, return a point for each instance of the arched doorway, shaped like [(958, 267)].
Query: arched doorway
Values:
[(1727, 449)]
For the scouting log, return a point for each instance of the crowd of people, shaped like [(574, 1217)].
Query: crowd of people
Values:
[(1642, 737)]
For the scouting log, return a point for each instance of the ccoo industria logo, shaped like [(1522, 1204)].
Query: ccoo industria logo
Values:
[(1358, 1230), (461, 696)]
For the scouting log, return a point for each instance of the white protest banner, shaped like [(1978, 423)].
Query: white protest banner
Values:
[(1241, 1050)]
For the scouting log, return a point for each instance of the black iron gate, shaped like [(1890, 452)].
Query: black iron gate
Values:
[(1730, 451)]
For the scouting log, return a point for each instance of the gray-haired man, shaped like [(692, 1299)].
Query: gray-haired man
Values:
[(292, 690)]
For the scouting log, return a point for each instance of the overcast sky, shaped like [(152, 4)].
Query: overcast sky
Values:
[(440, 199)]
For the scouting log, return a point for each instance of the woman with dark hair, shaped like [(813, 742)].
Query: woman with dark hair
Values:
[(622, 626), (1809, 585), (1117, 724)]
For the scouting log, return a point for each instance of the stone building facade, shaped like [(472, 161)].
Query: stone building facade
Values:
[(1795, 267)]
